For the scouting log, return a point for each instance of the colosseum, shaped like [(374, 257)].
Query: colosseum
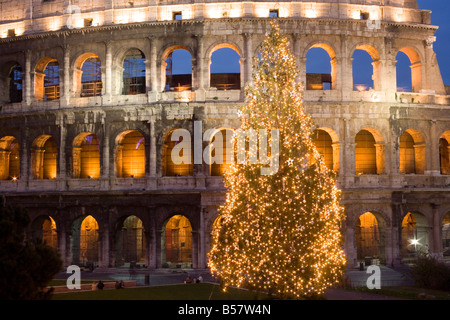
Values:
[(90, 96)]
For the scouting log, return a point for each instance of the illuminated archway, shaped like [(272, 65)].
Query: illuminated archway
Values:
[(225, 68), (44, 158), (370, 237), (86, 156), (130, 242), (366, 68), (369, 152), (412, 152), (321, 67), (415, 64), (169, 167), (44, 228), (84, 241), (130, 155), (46, 79), (176, 242), (414, 236), (177, 69), (446, 236), (9, 158), (222, 154), (444, 152), (327, 144), (134, 72), (88, 75)]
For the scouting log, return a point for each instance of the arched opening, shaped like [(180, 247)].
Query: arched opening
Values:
[(414, 236), (369, 154), (366, 68), (225, 68), (177, 70), (88, 75), (134, 73), (222, 152), (15, 83), (44, 158), (320, 68), (86, 156), (328, 148), (412, 152), (47, 79), (403, 70), (176, 243), (84, 242), (9, 158), (177, 156), (370, 238), (130, 155), (44, 229), (130, 243), (411, 79), (446, 237), (444, 152)]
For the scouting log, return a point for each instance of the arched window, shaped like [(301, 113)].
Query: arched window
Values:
[(46, 79), (15, 84), (369, 152), (411, 79), (134, 72), (412, 152), (177, 155), (91, 78), (176, 243), (444, 152), (44, 228), (9, 158), (44, 158), (326, 147), (414, 236), (225, 69), (362, 71), (320, 68), (370, 237), (86, 156), (84, 242), (130, 155), (222, 154), (178, 70), (130, 242)]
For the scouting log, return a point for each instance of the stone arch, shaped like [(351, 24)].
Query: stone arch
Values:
[(88, 78), (414, 236), (130, 241), (416, 67), (44, 228), (86, 156), (46, 79), (225, 81), (332, 78), (327, 143), (133, 75), (221, 153), (370, 234), (369, 152), (412, 152), (130, 154), (44, 157), (185, 166), (181, 82), (9, 158), (11, 90), (176, 242), (444, 152), (376, 64), (84, 241)]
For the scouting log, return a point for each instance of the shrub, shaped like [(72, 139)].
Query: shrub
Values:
[(430, 273)]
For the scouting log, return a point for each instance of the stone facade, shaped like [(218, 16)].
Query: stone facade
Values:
[(41, 34)]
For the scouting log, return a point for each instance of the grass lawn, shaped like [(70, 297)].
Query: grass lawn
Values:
[(200, 291)]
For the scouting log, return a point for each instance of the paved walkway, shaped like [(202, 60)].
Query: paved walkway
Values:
[(389, 277)]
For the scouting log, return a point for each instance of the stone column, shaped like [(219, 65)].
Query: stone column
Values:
[(336, 156), (66, 77), (248, 51), (435, 159), (203, 69), (27, 75), (420, 158), (107, 80), (201, 233), (154, 72), (157, 249), (380, 157), (195, 249), (152, 153), (437, 240)]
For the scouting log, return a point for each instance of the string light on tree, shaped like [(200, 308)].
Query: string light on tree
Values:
[(281, 232)]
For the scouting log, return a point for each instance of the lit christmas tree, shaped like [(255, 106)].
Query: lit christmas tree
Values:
[(279, 233)]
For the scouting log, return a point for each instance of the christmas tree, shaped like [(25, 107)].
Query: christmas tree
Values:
[(279, 232)]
